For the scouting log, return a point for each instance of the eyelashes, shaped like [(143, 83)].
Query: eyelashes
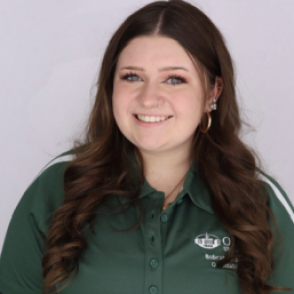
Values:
[(131, 77), (171, 79), (175, 80)]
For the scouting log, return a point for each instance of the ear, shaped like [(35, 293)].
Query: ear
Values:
[(214, 93)]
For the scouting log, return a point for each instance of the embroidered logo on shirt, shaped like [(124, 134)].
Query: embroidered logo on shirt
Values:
[(226, 243), (207, 241), (214, 257)]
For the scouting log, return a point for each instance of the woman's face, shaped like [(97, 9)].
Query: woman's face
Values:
[(158, 98)]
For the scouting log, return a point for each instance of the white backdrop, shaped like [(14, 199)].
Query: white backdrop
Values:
[(50, 53)]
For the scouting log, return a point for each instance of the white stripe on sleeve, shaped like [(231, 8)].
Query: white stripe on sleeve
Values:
[(279, 196)]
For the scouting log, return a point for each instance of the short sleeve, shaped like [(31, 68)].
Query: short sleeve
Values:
[(282, 208), (20, 262)]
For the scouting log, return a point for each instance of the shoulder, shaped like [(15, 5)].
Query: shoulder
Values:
[(45, 194), (58, 164), (283, 212), (20, 263), (278, 200)]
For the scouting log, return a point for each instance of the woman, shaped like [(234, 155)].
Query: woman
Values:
[(163, 197)]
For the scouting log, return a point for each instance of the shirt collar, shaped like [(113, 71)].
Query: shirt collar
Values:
[(197, 190), (193, 187)]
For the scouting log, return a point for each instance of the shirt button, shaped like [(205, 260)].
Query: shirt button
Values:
[(154, 263), (153, 290), (180, 201), (164, 218)]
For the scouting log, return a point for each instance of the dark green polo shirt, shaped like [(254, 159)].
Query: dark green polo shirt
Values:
[(171, 252)]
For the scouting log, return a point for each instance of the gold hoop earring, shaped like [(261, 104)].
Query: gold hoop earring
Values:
[(209, 120)]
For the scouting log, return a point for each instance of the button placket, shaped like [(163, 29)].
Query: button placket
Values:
[(153, 290), (153, 251), (154, 263), (164, 218)]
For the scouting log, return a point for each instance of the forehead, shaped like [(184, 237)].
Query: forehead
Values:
[(150, 50)]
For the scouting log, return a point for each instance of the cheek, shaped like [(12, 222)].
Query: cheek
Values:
[(121, 95), (120, 106), (192, 106), (117, 100), (116, 107), (191, 111)]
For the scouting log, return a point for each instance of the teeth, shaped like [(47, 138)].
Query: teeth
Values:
[(151, 119)]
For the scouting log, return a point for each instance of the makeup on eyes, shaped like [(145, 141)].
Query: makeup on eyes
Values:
[(131, 75), (128, 75)]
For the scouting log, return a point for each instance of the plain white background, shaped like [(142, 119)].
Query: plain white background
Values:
[(50, 54)]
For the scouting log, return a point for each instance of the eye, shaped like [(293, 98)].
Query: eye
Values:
[(131, 77), (175, 80)]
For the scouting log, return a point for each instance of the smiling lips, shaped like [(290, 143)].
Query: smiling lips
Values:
[(151, 119)]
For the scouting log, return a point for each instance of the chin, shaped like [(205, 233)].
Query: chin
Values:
[(149, 147)]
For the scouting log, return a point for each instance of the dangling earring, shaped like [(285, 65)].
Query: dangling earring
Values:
[(209, 120), (159, 105), (213, 105)]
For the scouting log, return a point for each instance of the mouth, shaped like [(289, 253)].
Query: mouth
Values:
[(151, 118)]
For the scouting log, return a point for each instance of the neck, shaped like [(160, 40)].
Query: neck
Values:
[(166, 171)]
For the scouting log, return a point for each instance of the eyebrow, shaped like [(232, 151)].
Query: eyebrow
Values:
[(167, 68)]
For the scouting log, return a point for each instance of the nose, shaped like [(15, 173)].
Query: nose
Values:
[(151, 95)]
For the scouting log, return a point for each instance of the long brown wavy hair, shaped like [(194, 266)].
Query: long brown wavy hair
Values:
[(102, 164)]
